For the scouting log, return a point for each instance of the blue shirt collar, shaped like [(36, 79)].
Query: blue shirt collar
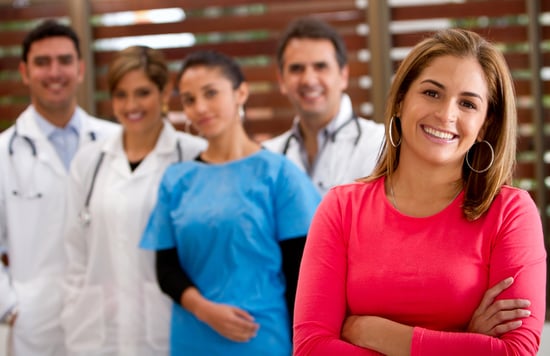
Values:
[(74, 124)]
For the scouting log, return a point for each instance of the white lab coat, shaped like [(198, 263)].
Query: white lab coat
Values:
[(342, 160), (31, 231), (113, 304)]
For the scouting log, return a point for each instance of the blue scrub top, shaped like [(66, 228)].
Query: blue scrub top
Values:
[(226, 221)]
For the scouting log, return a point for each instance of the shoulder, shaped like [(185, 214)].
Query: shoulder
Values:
[(102, 126), (190, 140), (277, 143), (371, 125), (510, 197), (356, 192), (87, 156), (180, 173), (5, 135), (277, 162), (513, 208), (371, 130)]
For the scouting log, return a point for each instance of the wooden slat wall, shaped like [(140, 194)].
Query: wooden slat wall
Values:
[(268, 112)]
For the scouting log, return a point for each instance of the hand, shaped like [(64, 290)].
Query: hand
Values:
[(229, 321), (494, 318), (352, 330)]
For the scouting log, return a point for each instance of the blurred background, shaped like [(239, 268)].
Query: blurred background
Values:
[(378, 34)]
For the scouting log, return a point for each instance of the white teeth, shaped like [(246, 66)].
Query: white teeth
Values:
[(312, 94), (135, 116), (438, 134), (55, 86)]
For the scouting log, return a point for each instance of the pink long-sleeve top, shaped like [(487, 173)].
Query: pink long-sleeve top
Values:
[(364, 257)]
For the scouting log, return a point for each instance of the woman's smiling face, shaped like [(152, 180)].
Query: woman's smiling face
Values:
[(443, 112)]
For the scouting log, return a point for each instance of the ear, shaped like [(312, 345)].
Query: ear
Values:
[(242, 93), (81, 70), (398, 109), (483, 129), (282, 86), (166, 93), (344, 73), (23, 71)]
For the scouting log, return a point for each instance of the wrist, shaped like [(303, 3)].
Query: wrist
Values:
[(194, 302), (10, 316)]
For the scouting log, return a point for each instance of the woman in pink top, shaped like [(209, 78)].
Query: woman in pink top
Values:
[(434, 253)]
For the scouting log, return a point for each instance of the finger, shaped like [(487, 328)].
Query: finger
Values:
[(507, 305), (243, 314), (508, 315), (494, 291), (506, 327)]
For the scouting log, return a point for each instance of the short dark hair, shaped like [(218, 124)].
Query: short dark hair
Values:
[(313, 28), (213, 59), (49, 28)]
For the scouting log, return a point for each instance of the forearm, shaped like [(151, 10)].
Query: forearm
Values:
[(171, 277), (8, 298), (193, 301), (378, 334)]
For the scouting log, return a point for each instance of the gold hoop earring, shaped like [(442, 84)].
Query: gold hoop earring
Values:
[(490, 163), (395, 145), (165, 110)]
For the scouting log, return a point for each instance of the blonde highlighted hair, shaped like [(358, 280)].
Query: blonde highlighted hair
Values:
[(500, 128)]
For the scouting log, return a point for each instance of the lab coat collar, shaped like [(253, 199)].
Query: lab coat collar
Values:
[(27, 126), (165, 146), (345, 113)]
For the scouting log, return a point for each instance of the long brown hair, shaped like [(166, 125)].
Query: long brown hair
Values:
[(500, 128)]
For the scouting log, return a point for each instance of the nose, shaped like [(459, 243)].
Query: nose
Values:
[(309, 76), (130, 103), (448, 111), (195, 110), (54, 68), (200, 105)]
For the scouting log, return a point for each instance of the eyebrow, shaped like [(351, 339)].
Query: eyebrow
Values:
[(439, 85)]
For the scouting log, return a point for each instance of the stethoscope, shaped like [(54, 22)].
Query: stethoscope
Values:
[(353, 119), (85, 216), (31, 194)]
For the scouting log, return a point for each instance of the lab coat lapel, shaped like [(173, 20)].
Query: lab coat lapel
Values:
[(117, 157), (27, 126), (165, 150)]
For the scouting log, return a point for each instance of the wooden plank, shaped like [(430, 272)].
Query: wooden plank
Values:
[(265, 47), (524, 170), (508, 34), (107, 6), (198, 25), (495, 8), (34, 12)]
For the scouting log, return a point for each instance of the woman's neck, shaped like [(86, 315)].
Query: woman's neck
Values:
[(138, 145), (421, 191), (232, 145)]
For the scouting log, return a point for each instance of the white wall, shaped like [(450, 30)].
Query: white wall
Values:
[(544, 347)]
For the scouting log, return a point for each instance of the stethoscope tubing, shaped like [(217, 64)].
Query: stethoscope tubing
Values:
[(85, 213), (354, 118), (34, 151)]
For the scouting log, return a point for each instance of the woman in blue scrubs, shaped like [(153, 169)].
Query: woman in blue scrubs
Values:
[(229, 228)]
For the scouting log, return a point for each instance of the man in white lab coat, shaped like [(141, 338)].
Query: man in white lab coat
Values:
[(35, 155), (327, 139)]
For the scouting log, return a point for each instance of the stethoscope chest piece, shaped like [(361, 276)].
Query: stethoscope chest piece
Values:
[(85, 217)]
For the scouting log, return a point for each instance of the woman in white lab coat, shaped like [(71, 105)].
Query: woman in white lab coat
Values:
[(113, 305)]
